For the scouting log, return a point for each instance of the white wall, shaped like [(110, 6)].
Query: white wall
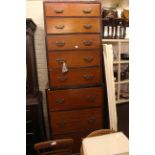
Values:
[(34, 10)]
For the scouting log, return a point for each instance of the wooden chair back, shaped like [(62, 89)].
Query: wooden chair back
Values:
[(54, 147), (98, 133)]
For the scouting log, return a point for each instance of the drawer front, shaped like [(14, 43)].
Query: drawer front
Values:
[(73, 42), (75, 98), (29, 126), (30, 138), (74, 59), (75, 121), (70, 9), (72, 25), (75, 77)]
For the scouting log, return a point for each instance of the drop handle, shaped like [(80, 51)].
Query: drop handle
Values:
[(88, 77), (87, 42), (87, 11), (59, 10), (28, 110), (59, 26), (87, 26), (88, 59), (60, 60), (30, 133), (60, 101), (60, 43)]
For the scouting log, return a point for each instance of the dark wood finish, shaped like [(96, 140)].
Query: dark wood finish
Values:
[(31, 76), (76, 121), (63, 10), (73, 42), (54, 147), (75, 77), (73, 25), (34, 118), (35, 131), (76, 59), (74, 98)]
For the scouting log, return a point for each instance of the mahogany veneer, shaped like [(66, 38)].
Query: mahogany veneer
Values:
[(75, 98)]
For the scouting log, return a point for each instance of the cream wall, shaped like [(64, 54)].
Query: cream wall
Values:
[(115, 3), (34, 10)]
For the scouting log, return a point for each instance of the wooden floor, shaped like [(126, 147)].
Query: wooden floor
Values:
[(123, 118)]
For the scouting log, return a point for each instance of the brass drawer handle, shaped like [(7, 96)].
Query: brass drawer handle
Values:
[(91, 120), (62, 79), (60, 101), (60, 60), (30, 133), (87, 26), (88, 59), (91, 98), (87, 11), (88, 77), (59, 26), (60, 43), (87, 42), (59, 10), (28, 110)]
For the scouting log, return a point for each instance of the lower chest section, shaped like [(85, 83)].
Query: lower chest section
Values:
[(74, 113)]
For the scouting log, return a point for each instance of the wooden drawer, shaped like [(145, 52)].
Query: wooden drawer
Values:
[(73, 42), (30, 138), (71, 9), (75, 98), (29, 126), (74, 59), (75, 77), (75, 121), (72, 25)]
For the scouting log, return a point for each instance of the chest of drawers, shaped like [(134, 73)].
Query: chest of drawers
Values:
[(75, 97)]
